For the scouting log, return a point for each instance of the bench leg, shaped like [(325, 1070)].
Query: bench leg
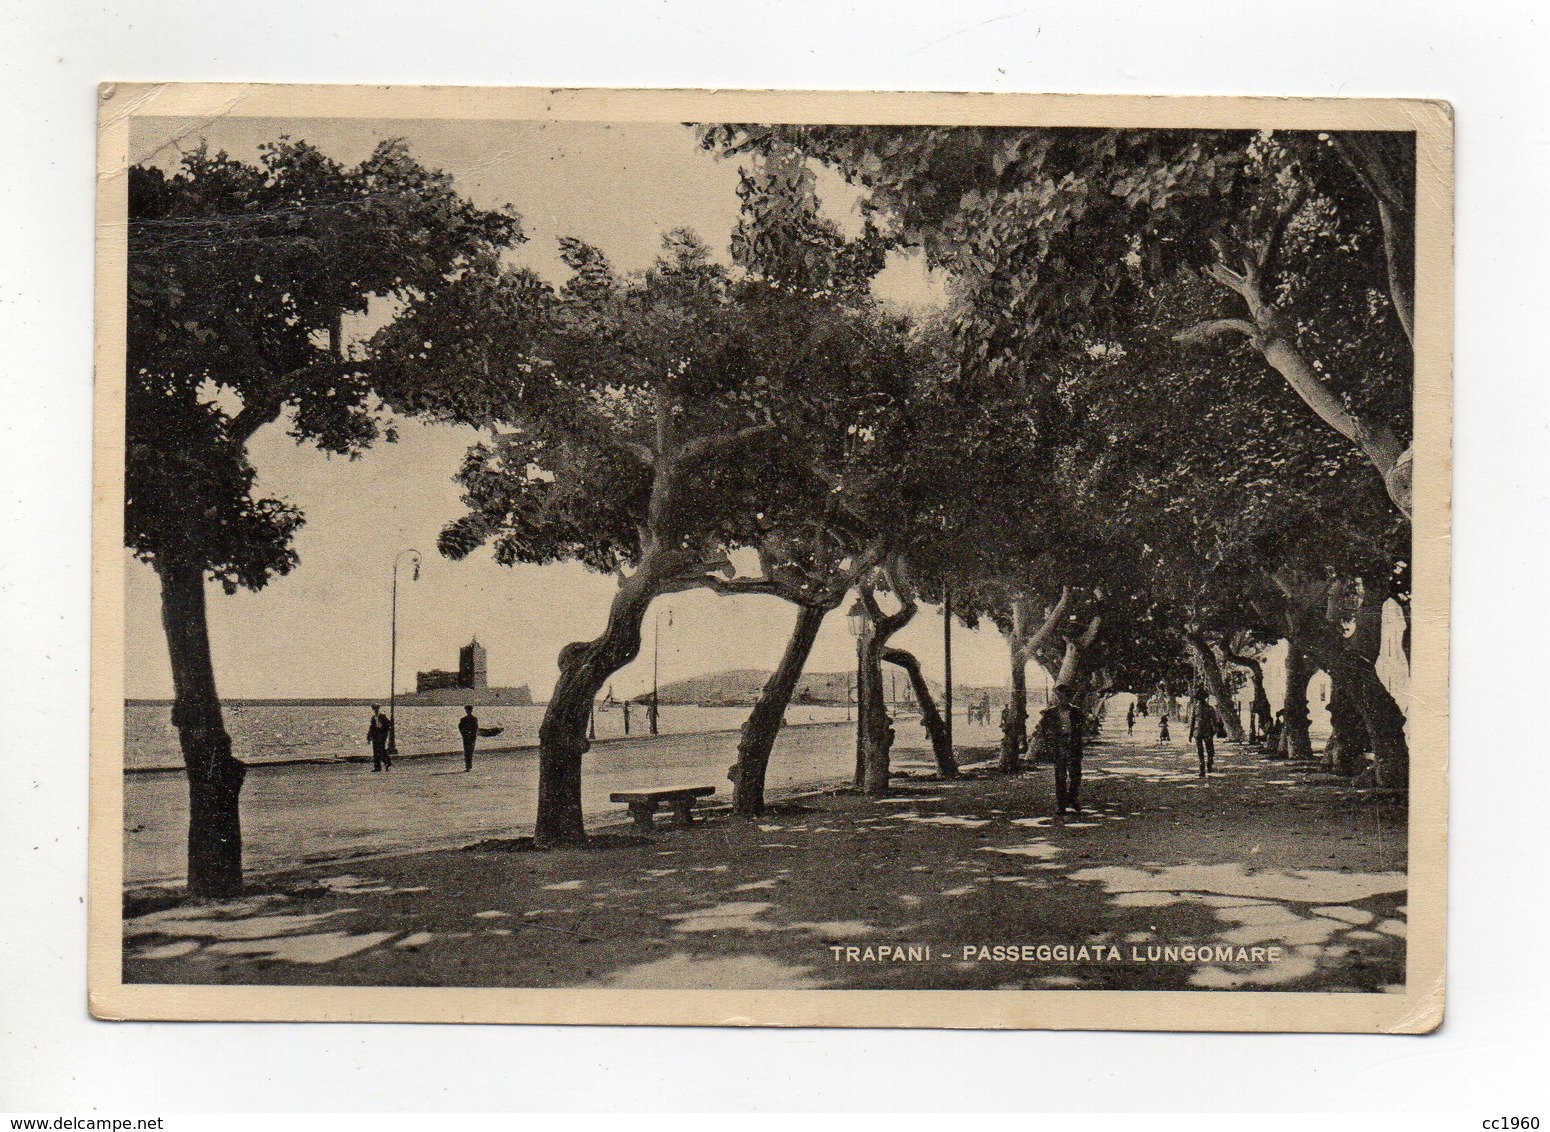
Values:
[(641, 812), (683, 810)]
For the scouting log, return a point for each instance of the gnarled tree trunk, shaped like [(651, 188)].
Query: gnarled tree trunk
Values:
[(1346, 752), (764, 722), (214, 775), (1073, 664), (1025, 644), (873, 724), (874, 730), (1386, 727), (1295, 743), (562, 737), (1355, 659), (1073, 670), (1259, 712), (930, 718), (1384, 721), (1014, 727), (1211, 673)]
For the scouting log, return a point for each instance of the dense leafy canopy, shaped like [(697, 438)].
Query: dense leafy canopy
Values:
[(240, 277)]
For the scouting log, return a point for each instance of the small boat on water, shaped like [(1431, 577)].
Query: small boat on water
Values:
[(490, 732)]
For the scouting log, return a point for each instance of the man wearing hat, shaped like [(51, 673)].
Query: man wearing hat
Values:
[(1062, 726)]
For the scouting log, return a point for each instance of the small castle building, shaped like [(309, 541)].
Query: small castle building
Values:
[(473, 671), (470, 684)]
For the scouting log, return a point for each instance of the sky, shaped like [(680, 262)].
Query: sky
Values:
[(324, 630)]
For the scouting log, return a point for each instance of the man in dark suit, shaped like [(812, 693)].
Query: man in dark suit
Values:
[(1202, 730), (379, 735), (1062, 727), (468, 727)]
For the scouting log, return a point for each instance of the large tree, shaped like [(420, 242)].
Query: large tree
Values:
[(809, 560), (1055, 235), (640, 424), (1244, 524), (240, 278)]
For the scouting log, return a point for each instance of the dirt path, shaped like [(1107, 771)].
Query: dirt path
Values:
[(1261, 857)]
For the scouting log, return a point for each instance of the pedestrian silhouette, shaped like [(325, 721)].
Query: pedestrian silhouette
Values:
[(379, 734), (1202, 729), (468, 728), (1062, 727)]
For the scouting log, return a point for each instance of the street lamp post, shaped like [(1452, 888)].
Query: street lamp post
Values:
[(656, 656), (856, 620), (947, 660), (414, 556)]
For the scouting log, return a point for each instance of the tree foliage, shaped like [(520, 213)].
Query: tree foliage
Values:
[(239, 278)]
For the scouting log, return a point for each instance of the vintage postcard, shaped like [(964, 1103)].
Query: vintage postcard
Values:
[(771, 558)]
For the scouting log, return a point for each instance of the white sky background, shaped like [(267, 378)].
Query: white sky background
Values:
[(324, 629)]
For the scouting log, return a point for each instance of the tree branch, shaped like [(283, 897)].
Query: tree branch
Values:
[(732, 587), (717, 442), (1265, 257), (642, 452), (1203, 332), (1395, 215), (1052, 619), (1377, 441)]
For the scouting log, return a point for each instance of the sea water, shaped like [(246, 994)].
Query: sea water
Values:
[(270, 732)]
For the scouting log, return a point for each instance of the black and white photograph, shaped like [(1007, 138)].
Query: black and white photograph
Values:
[(566, 552)]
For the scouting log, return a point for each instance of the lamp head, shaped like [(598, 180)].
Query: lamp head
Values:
[(856, 617)]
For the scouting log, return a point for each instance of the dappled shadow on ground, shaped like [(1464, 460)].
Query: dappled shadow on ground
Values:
[(1164, 882)]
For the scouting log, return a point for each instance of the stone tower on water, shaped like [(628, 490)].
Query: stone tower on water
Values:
[(471, 667)]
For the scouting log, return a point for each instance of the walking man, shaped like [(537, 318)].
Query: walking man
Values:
[(1202, 729), (1062, 726), (468, 728), (378, 735), (1130, 720)]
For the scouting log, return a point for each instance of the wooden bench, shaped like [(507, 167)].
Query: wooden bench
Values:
[(643, 803)]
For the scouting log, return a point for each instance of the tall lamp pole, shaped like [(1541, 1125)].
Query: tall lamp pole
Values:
[(656, 656), (414, 556), (856, 620), (947, 658)]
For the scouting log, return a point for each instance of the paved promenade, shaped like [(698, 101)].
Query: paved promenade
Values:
[(299, 813), (1268, 875)]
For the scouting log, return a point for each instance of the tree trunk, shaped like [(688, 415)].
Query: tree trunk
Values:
[(584, 668), (930, 718), (1384, 720), (1014, 729), (764, 722), (1071, 666), (1211, 672), (1295, 743), (214, 775), (1346, 752), (1259, 711), (872, 723), (1386, 728)]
